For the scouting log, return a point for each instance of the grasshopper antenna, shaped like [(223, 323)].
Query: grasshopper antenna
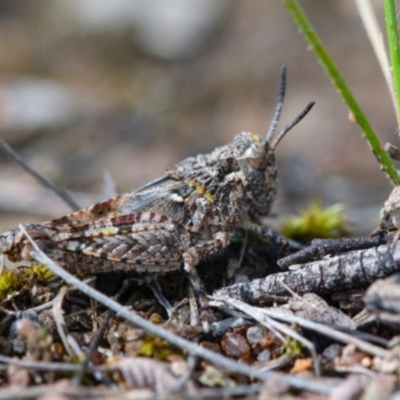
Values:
[(43, 181), (279, 104), (288, 127)]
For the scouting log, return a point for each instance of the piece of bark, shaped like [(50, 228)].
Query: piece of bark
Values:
[(355, 269)]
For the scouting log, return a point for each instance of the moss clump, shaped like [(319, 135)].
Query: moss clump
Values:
[(10, 282), (41, 272), (316, 221)]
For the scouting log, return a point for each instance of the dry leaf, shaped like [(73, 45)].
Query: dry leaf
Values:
[(212, 377), (18, 377), (141, 372), (302, 365)]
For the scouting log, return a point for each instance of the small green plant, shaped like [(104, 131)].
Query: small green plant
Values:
[(293, 348), (41, 272), (154, 347), (10, 282), (316, 221)]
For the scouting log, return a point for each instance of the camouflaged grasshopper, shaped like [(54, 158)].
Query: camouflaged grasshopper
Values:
[(187, 215)]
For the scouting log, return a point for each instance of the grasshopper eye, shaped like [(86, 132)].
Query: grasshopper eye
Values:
[(255, 155), (258, 163)]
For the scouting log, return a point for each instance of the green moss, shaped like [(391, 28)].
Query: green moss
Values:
[(154, 347), (316, 221), (41, 272), (9, 282), (293, 348)]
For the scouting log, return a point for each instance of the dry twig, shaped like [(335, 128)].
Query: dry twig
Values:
[(59, 319), (259, 314), (356, 269), (43, 181)]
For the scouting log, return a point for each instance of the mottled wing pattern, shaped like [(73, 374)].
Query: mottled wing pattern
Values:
[(164, 196), (88, 215), (140, 229)]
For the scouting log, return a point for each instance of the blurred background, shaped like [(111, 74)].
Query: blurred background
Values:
[(131, 87)]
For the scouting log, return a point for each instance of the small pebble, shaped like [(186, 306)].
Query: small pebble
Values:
[(254, 334), (236, 346), (264, 356)]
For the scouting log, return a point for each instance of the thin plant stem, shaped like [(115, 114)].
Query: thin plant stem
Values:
[(62, 194), (323, 56), (374, 32), (394, 49)]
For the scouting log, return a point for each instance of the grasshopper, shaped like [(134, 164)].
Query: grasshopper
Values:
[(180, 219)]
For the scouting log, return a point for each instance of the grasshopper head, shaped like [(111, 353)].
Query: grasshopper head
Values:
[(241, 176), (256, 161), (256, 157)]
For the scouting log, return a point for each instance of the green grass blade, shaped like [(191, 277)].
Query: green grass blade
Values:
[(394, 49), (316, 44)]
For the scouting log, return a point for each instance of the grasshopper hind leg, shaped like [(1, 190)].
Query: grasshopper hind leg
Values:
[(190, 259), (201, 297)]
